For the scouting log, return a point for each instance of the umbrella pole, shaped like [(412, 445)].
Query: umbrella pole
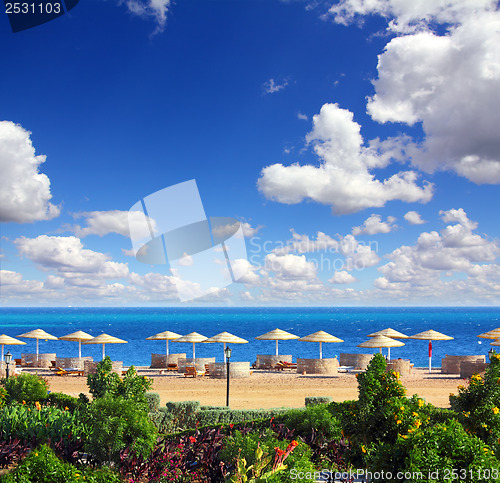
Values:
[(167, 350), (276, 346), (79, 348), (388, 353), (2, 352), (37, 349), (320, 351), (224, 352), (194, 353), (430, 356), (103, 351)]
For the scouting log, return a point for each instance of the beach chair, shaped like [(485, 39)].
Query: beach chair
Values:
[(345, 368), (207, 370), (172, 367), (68, 372), (191, 371)]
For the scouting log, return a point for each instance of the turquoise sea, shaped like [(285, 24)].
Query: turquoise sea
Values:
[(351, 324)]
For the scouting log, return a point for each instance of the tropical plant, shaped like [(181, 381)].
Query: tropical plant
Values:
[(25, 387)]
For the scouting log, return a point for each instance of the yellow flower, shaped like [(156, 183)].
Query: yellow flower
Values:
[(461, 386), (420, 403), (402, 408), (36, 454), (37, 405), (363, 448), (484, 425), (66, 408), (399, 421), (485, 450), (418, 423), (24, 402), (415, 414), (445, 428), (495, 410)]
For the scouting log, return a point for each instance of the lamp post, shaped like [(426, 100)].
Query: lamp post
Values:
[(490, 353), (8, 360), (227, 351)]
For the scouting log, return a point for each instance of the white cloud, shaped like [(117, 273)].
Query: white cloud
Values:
[(68, 259), (271, 86), (24, 191), (414, 218), (407, 16), (302, 117), (342, 277), (374, 225), (290, 266), (229, 229), (186, 260), (155, 9), (451, 85), (454, 250), (343, 179), (115, 221), (245, 272)]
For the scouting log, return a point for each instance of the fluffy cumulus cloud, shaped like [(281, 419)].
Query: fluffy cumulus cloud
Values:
[(153, 9), (374, 225), (451, 85), (414, 218), (408, 16), (342, 179), (342, 277), (424, 267), (67, 257), (24, 191), (115, 221)]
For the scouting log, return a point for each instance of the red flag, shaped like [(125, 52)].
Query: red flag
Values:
[(430, 348)]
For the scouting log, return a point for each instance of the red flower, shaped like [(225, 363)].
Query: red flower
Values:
[(192, 439), (231, 425)]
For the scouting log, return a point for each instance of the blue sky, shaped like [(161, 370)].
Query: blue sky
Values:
[(357, 143)]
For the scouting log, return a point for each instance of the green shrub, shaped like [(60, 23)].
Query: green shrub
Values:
[(105, 382), (63, 401), (315, 417), (162, 419), (153, 400), (239, 447), (444, 452), (43, 466), (311, 400), (25, 387), (40, 423), (117, 423), (478, 405), (182, 414)]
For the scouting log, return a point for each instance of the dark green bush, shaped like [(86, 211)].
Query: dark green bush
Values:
[(310, 400), (117, 423), (153, 400), (315, 417), (183, 414), (220, 408), (478, 404), (62, 401), (105, 382), (43, 466), (162, 419), (25, 387), (444, 452)]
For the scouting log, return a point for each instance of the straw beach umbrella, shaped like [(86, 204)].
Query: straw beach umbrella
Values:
[(277, 334), (78, 336), (430, 335), (226, 338), (38, 334), (320, 336), (492, 334), (167, 335), (379, 341), (393, 334), (193, 337), (6, 340), (105, 339)]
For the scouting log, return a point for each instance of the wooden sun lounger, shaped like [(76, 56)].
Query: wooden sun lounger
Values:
[(193, 372), (63, 372), (172, 367), (280, 366), (345, 368)]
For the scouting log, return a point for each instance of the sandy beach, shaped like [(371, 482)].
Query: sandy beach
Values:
[(268, 389)]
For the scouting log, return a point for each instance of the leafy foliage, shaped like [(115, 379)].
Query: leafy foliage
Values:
[(117, 423), (43, 466), (478, 405), (63, 401), (310, 400), (106, 382), (25, 387)]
